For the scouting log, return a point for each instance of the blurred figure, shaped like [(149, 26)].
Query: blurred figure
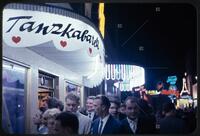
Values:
[(37, 119), (157, 102), (170, 124), (134, 123), (49, 117), (60, 105), (159, 86), (105, 124), (72, 102), (43, 104), (145, 108), (66, 124), (114, 109), (53, 102), (89, 111), (122, 108)]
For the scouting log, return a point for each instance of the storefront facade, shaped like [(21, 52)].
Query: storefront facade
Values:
[(46, 51)]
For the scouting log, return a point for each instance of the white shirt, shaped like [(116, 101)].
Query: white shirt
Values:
[(105, 119), (133, 124)]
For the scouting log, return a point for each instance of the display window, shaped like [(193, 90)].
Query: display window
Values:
[(72, 88), (46, 87), (13, 98)]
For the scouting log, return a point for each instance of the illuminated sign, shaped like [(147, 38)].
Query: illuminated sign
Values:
[(30, 28), (170, 92), (172, 80), (130, 75)]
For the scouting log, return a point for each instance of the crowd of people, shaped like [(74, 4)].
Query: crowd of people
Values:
[(107, 115)]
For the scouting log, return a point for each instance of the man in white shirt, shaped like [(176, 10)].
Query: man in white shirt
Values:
[(89, 110), (72, 103), (135, 123)]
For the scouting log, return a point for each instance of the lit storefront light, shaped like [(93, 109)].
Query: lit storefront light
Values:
[(101, 19), (128, 76)]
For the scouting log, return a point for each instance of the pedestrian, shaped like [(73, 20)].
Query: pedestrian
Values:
[(66, 124), (105, 124), (49, 117), (171, 124), (89, 110), (72, 102), (134, 123)]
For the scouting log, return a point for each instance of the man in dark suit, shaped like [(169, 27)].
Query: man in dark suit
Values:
[(171, 124), (89, 110), (105, 124), (134, 123)]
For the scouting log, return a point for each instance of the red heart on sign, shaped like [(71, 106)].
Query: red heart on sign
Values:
[(90, 50), (16, 39), (63, 43)]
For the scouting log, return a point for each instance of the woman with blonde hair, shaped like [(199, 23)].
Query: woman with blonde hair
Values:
[(49, 117)]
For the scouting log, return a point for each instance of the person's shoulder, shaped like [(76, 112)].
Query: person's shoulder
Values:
[(95, 121), (84, 116)]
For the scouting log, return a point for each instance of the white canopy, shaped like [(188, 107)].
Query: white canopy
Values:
[(59, 35)]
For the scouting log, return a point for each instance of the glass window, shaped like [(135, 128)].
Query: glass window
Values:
[(13, 98)]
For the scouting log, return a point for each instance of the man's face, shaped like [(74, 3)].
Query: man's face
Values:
[(71, 106), (90, 105), (43, 104), (122, 110), (98, 106), (132, 110), (113, 110)]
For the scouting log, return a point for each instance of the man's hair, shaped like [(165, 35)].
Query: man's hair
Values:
[(104, 101), (132, 99), (72, 97), (115, 101), (52, 102), (122, 105), (91, 97), (60, 105), (70, 120)]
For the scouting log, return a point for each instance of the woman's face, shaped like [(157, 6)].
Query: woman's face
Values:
[(113, 110)]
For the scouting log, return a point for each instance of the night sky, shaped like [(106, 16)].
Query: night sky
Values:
[(159, 37)]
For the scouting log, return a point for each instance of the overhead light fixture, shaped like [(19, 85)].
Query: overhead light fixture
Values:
[(157, 9), (185, 73)]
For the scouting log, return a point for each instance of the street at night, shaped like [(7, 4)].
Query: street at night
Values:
[(99, 68)]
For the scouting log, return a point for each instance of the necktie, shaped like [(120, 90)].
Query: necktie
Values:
[(133, 126), (100, 127), (89, 115)]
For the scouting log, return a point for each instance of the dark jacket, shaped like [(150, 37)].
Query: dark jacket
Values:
[(112, 126), (145, 125), (172, 125)]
